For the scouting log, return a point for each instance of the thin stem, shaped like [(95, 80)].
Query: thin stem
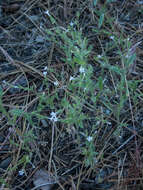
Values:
[(52, 144)]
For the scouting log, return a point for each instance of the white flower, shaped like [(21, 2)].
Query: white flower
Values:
[(45, 68), (71, 23), (41, 26), (53, 114), (21, 172), (98, 122), (82, 69), (99, 56), (71, 78), (56, 83), (45, 73), (47, 13), (95, 132), (53, 117), (89, 138), (112, 37), (107, 112), (95, 160)]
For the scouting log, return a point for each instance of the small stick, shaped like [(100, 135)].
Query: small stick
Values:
[(123, 144)]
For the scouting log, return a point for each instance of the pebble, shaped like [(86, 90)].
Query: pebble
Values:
[(5, 163), (1, 139), (44, 122), (20, 82)]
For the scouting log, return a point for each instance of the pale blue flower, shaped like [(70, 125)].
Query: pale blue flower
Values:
[(53, 117), (112, 37), (56, 83), (71, 23), (21, 172), (82, 69), (89, 138), (47, 13)]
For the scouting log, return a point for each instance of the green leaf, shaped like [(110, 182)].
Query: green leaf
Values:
[(131, 60), (101, 19), (100, 83), (17, 112), (1, 92), (110, 1), (95, 2), (79, 61)]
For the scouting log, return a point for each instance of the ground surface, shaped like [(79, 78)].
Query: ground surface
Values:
[(95, 139)]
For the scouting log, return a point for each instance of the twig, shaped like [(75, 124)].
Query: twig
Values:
[(52, 145), (123, 144)]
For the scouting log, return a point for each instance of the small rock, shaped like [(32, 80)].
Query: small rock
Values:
[(5, 163), (1, 139), (42, 177), (44, 122), (20, 82)]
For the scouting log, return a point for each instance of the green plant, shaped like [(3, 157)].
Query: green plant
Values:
[(89, 152), (81, 104)]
